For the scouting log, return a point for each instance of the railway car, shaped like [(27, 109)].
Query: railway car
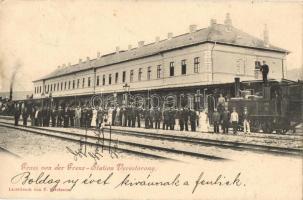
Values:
[(279, 109)]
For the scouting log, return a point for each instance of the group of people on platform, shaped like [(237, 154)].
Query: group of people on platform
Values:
[(128, 116), (224, 118), (182, 119)]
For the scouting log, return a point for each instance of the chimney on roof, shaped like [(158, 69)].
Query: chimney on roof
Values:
[(228, 21), (266, 36), (129, 47), (140, 44), (80, 60), (59, 66), (192, 28), (157, 39), (98, 54), (169, 35), (213, 22), (117, 49), (87, 59)]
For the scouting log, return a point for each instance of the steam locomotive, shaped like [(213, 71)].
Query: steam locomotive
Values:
[(277, 108)]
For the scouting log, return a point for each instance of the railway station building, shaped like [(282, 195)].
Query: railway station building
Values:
[(187, 66)]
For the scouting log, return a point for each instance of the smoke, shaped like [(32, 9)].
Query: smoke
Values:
[(16, 68)]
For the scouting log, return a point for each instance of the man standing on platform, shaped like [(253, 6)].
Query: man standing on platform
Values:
[(193, 119), (225, 120), (234, 119), (264, 69), (16, 114), (216, 120), (60, 116), (165, 119), (89, 117), (54, 117), (157, 118), (184, 118)]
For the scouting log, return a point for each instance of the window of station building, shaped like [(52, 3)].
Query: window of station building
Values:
[(57, 86), (171, 69), (116, 77), (103, 80), (35, 90), (196, 64), (88, 82), (40, 89), (183, 67), (159, 71), (47, 88), (78, 83), (51, 87), (123, 76), (73, 84), (83, 82), (131, 76), (61, 86), (68, 84), (149, 73), (64, 85), (110, 79), (140, 74), (97, 81)]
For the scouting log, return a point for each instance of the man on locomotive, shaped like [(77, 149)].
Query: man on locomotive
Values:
[(264, 69)]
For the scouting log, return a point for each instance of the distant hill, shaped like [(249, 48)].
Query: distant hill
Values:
[(295, 74)]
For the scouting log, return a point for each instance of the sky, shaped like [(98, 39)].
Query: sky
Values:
[(37, 36)]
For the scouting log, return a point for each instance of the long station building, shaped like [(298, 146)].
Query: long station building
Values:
[(195, 63)]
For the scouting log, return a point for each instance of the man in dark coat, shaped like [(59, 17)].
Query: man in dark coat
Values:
[(225, 120), (25, 115), (165, 119), (72, 113), (16, 114), (146, 117), (184, 118), (171, 118), (216, 120), (193, 119), (157, 118), (151, 118), (89, 116), (264, 69), (48, 116), (138, 112), (66, 117)]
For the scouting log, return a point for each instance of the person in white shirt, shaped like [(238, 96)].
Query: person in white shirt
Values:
[(234, 119)]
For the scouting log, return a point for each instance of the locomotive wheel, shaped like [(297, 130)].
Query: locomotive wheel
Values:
[(255, 126), (267, 127)]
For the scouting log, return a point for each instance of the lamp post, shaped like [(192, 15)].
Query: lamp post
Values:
[(126, 88)]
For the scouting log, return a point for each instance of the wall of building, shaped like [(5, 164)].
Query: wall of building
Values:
[(230, 61)]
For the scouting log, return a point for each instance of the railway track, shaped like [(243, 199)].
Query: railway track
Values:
[(186, 140), (5, 151), (157, 152)]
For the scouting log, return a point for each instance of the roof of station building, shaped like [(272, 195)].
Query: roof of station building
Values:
[(216, 33)]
